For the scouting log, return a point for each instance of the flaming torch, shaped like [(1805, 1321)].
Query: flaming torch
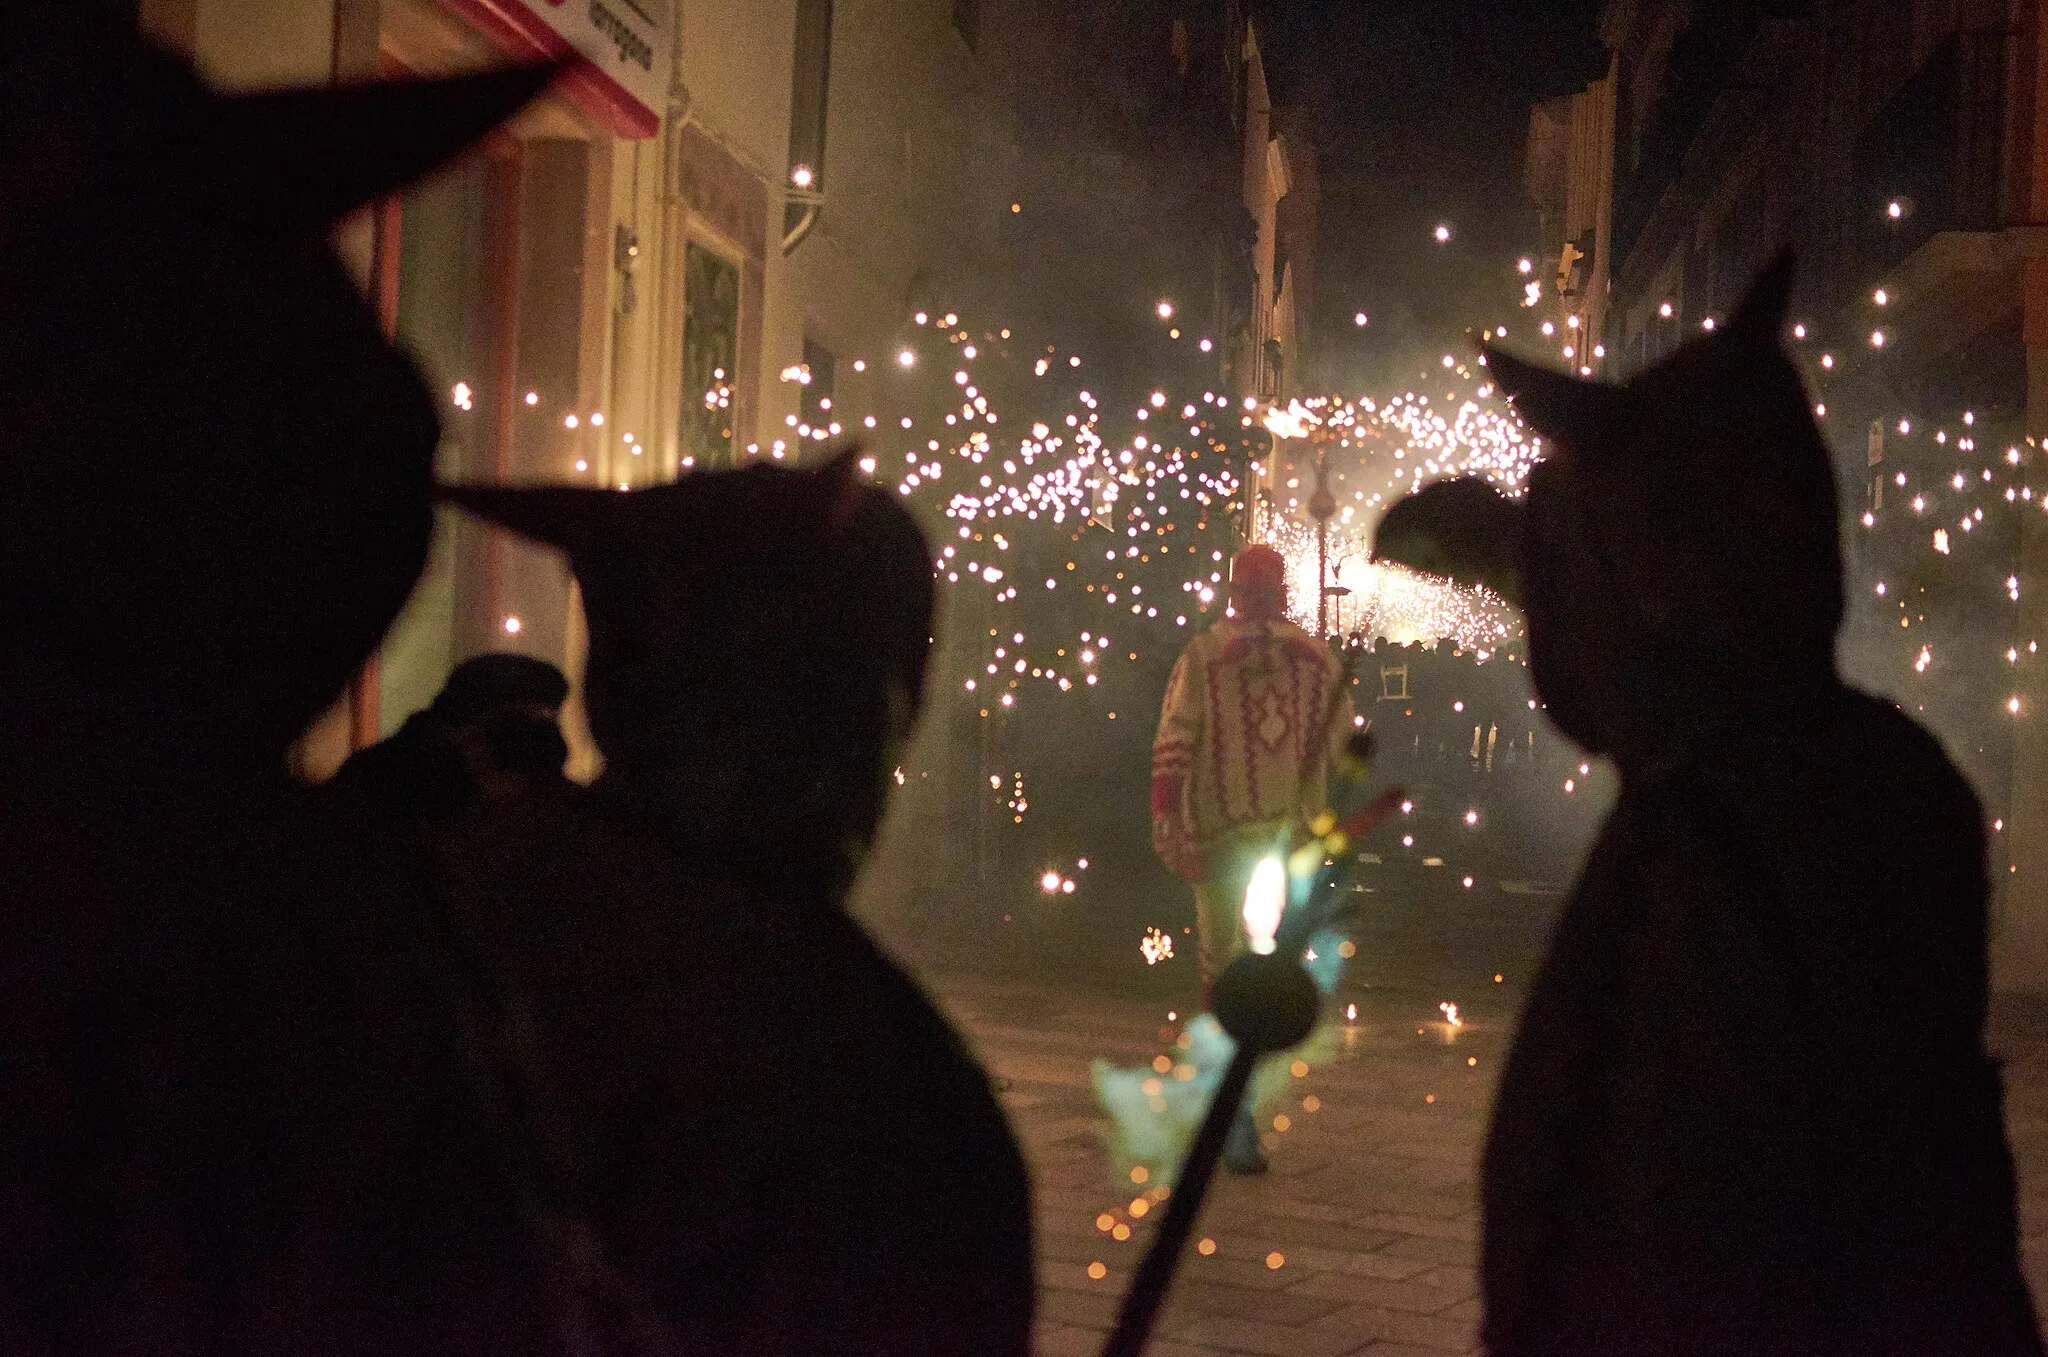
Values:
[(1267, 1001)]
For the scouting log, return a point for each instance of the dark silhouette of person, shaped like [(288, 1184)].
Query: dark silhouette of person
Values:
[(1748, 1108), (236, 1110), (783, 1144), (491, 735)]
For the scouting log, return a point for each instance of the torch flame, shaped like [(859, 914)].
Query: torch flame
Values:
[(1263, 901)]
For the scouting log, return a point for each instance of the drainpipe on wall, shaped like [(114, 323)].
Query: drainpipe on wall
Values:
[(673, 243)]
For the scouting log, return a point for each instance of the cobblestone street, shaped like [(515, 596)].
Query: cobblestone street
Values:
[(1363, 1238)]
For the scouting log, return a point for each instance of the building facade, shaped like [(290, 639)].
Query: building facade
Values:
[(1569, 181), (708, 243), (1901, 148), (1272, 354), (1281, 192), (510, 277), (650, 271)]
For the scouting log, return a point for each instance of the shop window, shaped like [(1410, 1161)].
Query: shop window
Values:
[(809, 83), (711, 332), (446, 250)]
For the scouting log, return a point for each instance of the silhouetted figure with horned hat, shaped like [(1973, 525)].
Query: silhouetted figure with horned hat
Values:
[(785, 1147), (236, 1115), (1748, 1108)]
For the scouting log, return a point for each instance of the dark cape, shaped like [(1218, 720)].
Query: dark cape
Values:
[(1748, 1109), (784, 1147), (238, 1113)]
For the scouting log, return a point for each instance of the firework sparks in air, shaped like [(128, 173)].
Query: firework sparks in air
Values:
[(1102, 501), (1380, 452)]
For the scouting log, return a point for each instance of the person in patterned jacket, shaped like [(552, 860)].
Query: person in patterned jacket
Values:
[(1255, 713)]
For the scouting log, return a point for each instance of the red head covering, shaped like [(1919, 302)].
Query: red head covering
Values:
[(1258, 584)]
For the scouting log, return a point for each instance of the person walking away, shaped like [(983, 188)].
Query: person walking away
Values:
[(1255, 715)]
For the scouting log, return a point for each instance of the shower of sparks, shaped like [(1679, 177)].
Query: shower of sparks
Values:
[(1380, 452), (1387, 601), (1120, 505), (1157, 946)]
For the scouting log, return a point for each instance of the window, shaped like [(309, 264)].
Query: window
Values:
[(1393, 683), (967, 20), (711, 344), (809, 82)]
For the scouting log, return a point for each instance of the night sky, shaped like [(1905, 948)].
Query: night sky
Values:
[(1421, 109)]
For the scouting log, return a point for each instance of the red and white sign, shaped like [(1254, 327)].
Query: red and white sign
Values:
[(618, 51)]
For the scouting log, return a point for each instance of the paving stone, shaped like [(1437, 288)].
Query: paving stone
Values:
[(1392, 1266), (1409, 1296), (1164, 1347), (1292, 1306), (1081, 1309), (1456, 1251), (1464, 1281), (1310, 1258), (1437, 1333), (1463, 1228), (1240, 1265), (1344, 1238), (1073, 1276), (1065, 1340), (1273, 1340)]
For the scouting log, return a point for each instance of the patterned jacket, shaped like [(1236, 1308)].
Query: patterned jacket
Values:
[(1253, 715)]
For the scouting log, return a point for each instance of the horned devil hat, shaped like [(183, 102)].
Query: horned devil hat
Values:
[(1700, 493), (215, 469)]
